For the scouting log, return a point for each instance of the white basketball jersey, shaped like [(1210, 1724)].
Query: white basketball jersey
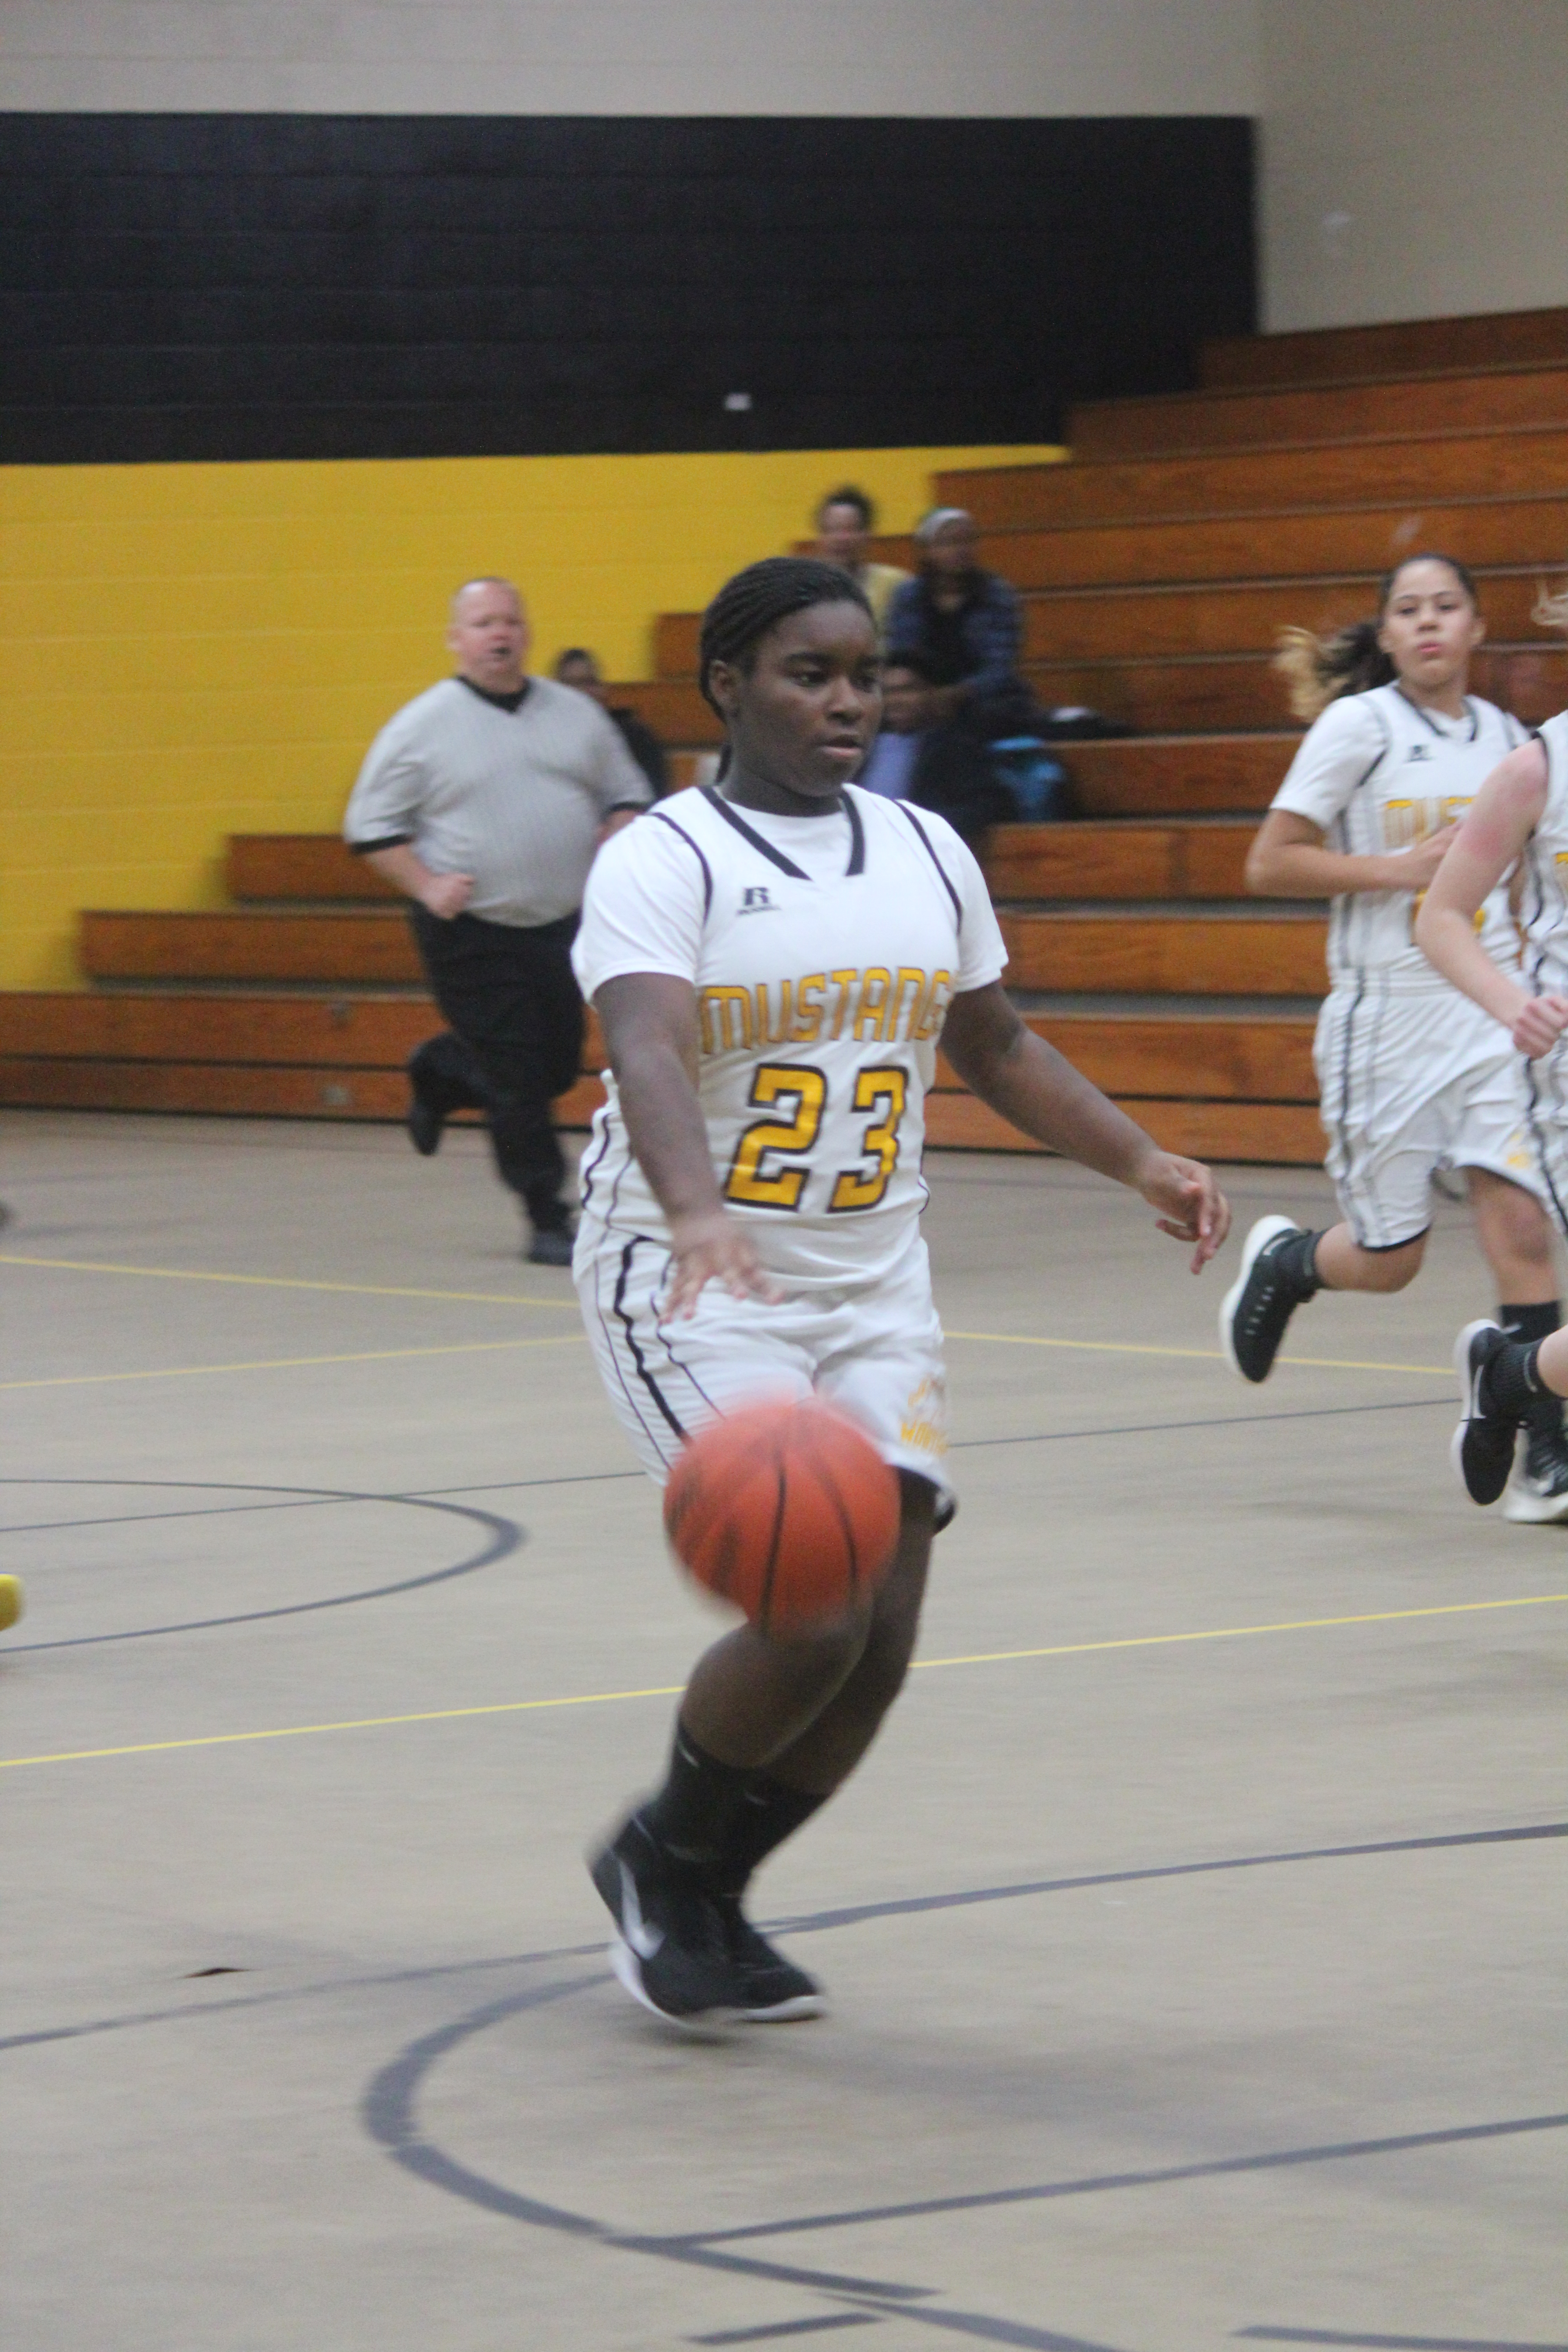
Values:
[(1544, 912), (824, 951), (1379, 773)]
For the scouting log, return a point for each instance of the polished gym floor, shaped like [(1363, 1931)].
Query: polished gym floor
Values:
[(1193, 1934)]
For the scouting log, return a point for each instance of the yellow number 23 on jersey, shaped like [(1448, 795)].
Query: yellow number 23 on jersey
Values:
[(883, 1091), (802, 1091)]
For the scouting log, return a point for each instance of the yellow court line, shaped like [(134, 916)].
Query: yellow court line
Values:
[(284, 1282), (289, 1363), (1238, 1632), (1201, 1355), (507, 1298), (673, 1690)]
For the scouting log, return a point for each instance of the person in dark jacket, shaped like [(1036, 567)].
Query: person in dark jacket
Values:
[(944, 768), (579, 669), (964, 627)]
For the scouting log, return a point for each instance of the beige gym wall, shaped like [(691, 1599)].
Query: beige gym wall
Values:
[(636, 57), (1415, 159)]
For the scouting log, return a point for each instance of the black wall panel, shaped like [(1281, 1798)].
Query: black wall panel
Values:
[(307, 286)]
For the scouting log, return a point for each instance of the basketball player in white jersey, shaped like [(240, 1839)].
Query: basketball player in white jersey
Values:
[(1519, 818), (1413, 1078), (773, 961)]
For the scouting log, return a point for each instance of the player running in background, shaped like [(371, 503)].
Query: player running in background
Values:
[(1411, 1078), (1521, 815), (773, 963)]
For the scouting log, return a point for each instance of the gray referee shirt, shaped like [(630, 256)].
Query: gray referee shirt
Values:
[(513, 797)]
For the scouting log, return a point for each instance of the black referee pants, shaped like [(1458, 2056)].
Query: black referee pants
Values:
[(515, 1041)]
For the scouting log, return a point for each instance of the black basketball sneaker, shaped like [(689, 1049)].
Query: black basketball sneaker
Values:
[(671, 1949), (776, 1991), (1483, 1445), (1261, 1302)]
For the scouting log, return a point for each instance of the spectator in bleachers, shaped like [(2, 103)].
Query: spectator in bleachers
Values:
[(844, 521), (942, 767), (963, 627), (579, 669)]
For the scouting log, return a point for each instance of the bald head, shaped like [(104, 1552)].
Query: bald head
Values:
[(487, 632)]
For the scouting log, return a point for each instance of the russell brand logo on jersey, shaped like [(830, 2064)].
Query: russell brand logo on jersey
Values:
[(757, 901)]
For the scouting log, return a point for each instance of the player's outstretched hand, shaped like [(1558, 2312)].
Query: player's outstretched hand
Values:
[(1539, 1025), (714, 1249), (1195, 1208)]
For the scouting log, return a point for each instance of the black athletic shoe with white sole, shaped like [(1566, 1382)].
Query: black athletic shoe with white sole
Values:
[(671, 1949), (1537, 1493), (1259, 1304), (776, 1991), (1483, 1445)]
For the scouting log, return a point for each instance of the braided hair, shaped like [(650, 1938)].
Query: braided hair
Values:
[(1318, 670), (757, 598)]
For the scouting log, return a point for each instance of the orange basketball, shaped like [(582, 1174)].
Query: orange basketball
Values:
[(787, 1510)]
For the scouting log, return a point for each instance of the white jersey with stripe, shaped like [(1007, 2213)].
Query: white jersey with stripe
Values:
[(824, 951), (1380, 774), (1545, 910)]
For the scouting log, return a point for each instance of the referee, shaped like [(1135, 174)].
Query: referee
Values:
[(484, 800)]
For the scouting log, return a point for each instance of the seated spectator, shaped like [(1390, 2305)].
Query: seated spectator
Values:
[(844, 521), (944, 768), (579, 669), (964, 627)]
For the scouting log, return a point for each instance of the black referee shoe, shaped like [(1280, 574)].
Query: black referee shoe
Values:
[(776, 1991), (550, 1245), (670, 1951), (1258, 1305), (424, 1124), (1483, 1445)]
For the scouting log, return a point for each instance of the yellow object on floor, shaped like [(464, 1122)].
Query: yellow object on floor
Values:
[(11, 1601)]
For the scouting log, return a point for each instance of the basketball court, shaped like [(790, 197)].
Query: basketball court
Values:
[(1188, 1933)]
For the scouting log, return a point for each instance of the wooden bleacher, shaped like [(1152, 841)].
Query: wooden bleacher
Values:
[(1155, 568)]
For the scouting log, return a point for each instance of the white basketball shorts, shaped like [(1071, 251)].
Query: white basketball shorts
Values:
[(1410, 1084), (1546, 1118), (872, 1349)]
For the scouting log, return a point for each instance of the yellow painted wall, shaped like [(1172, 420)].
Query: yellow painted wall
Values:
[(195, 650)]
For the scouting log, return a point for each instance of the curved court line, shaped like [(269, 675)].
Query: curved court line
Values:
[(673, 1690), (390, 2112), (284, 1282), (504, 1537), (292, 1363), (805, 1924)]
